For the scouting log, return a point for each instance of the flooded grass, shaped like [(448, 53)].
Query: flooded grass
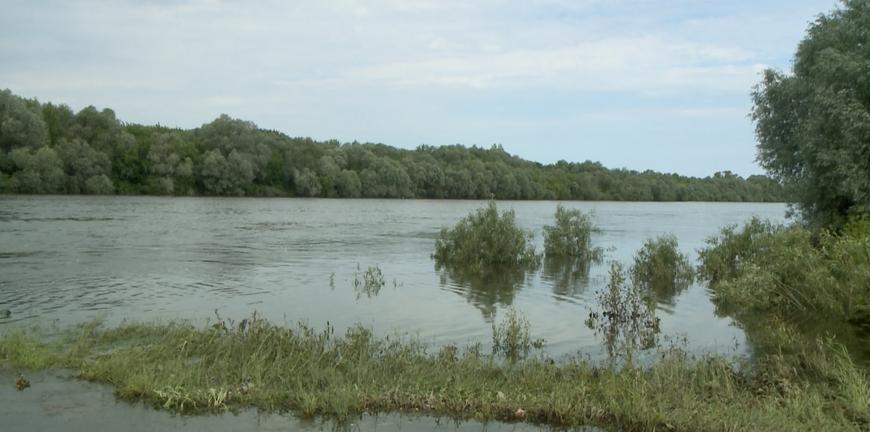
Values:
[(185, 368)]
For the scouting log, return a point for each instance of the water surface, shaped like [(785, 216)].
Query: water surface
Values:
[(72, 258)]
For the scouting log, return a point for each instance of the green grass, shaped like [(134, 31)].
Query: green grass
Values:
[(186, 368)]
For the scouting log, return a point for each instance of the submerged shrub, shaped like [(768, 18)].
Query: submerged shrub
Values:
[(791, 273), (625, 319), (485, 239), (661, 268), (571, 236), (727, 253)]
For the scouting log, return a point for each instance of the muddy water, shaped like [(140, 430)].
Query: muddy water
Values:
[(70, 258)]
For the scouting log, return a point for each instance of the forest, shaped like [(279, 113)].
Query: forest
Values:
[(50, 149)]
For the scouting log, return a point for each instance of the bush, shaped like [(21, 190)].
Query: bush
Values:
[(485, 239), (512, 337), (791, 273), (727, 254), (625, 318), (571, 236), (661, 268)]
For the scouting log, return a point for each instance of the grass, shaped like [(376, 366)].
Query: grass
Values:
[(484, 241), (185, 368)]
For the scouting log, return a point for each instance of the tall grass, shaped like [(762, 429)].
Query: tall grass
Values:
[(485, 240), (185, 368)]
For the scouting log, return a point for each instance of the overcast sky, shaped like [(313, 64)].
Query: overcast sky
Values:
[(660, 85)]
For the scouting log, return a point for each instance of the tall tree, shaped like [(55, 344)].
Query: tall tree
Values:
[(813, 125)]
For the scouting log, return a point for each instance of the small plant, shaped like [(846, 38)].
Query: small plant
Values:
[(485, 239), (626, 320), (661, 268), (512, 337), (368, 282), (571, 236), (21, 383)]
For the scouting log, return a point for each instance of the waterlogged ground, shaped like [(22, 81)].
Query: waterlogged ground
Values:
[(66, 259), (58, 402)]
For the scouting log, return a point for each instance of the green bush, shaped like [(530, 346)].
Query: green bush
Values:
[(512, 337), (660, 268), (571, 236), (791, 272), (727, 254), (485, 239)]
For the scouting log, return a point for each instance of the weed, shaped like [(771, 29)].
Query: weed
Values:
[(188, 369), (512, 337), (368, 282), (625, 319)]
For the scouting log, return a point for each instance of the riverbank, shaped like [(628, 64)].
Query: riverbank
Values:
[(190, 369)]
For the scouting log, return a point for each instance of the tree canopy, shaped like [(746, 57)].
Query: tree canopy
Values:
[(47, 148), (813, 125)]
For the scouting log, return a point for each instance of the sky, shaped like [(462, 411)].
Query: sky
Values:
[(661, 85)]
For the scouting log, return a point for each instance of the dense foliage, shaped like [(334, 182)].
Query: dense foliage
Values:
[(813, 125), (571, 236), (485, 240), (790, 273), (47, 148)]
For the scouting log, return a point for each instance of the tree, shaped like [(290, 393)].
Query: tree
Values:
[(813, 125), (20, 126)]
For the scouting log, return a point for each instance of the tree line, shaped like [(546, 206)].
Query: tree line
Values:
[(50, 149)]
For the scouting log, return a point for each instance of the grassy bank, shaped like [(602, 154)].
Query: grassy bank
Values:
[(187, 368)]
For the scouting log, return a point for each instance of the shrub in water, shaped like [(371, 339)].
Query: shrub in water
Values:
[(571, 236), (659, 267), (625, 319), (512, 337), (485, 239)]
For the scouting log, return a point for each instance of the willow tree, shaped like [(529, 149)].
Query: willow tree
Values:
[(813, 125)]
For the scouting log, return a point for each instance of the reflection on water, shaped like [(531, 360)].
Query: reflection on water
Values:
[(569, 277), (487, 291)]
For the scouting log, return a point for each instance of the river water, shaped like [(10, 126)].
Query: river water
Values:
[(67, 259)]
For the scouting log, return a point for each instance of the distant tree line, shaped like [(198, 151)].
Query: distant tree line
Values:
[(49, 149)]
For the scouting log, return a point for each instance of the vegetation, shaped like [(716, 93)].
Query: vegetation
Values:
[(813, 125), (787, 274), (485, 240), (184, 368), (47, 148), (368, 282), (512, 337), (571, 237), (661, 269), (626, 318)]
